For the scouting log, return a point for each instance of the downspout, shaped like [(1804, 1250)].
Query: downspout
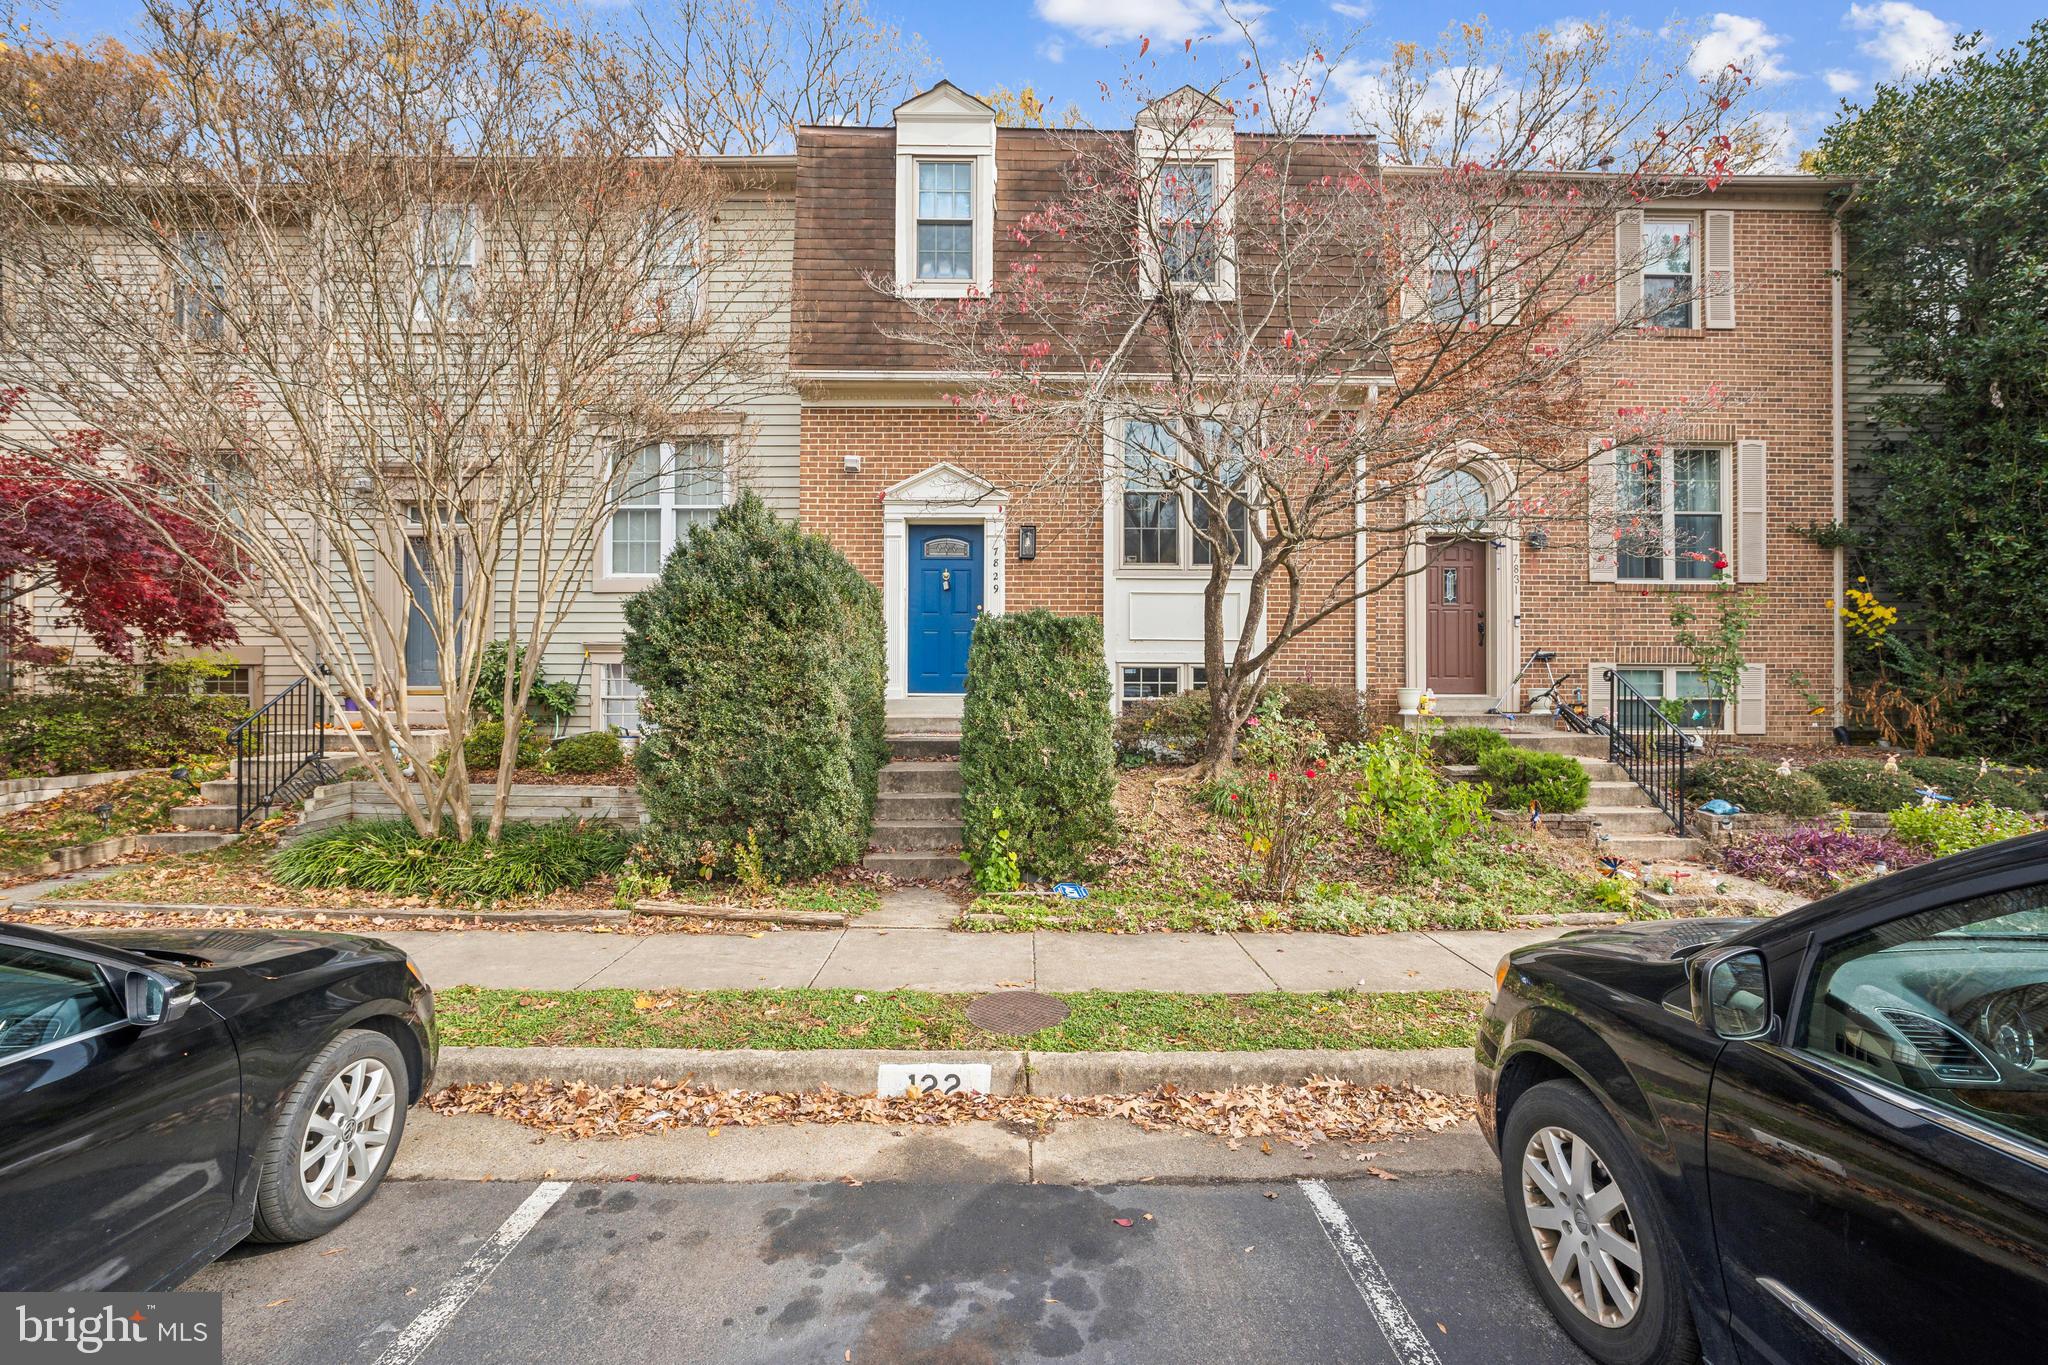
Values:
[(1838, 377)]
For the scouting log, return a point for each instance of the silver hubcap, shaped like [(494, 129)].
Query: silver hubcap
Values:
[(349, 1133), (1582, 1226)]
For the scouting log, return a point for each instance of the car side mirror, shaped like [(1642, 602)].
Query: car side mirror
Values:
[(151, 999), (1731, 994)]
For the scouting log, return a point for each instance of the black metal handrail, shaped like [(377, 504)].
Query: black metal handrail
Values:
[(280, 750), (1647, 746)]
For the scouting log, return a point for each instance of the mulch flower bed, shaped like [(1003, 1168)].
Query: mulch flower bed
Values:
[(1317, 1111)]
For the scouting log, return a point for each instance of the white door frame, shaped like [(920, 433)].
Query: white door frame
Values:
[(944, 495), (1503, 581)]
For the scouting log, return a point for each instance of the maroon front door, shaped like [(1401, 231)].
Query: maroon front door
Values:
[(1456, 625)]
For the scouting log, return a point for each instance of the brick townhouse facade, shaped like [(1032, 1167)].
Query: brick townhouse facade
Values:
[(940, 511)]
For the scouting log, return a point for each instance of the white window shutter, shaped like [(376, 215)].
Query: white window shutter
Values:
[(1751, 557), (1504, 267), (1599, 692), (1412, 255), (1749, 701), (1628, 265), (1601, 559), (1720, 274)]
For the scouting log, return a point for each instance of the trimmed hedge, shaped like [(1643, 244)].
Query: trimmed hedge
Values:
[(1756, 786), (599, 751), (484, 743), (1035, 741), (759, 652), (1959, 778), (1465, 743), (1863, 784), (1173, 729), (1557, 783)]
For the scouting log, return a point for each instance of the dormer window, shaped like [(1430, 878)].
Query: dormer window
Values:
[(1187, 221), (945, 220), (945, 194), (1187, 154)]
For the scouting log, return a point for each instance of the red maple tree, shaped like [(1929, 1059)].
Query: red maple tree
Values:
[(121, 578)]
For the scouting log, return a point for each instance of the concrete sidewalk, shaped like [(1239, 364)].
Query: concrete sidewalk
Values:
[(863, 958)]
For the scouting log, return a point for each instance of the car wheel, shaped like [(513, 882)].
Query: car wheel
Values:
[(1591, 1232), (333, 1138)]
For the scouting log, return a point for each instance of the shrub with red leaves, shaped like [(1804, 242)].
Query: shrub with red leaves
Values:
[(1815, 859)]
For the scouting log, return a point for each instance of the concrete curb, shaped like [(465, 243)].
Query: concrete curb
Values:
[(489, 917), (852, 1071)]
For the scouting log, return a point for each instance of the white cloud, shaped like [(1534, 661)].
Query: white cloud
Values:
[(1360, 12), (1053, 50), (1159, 20), (1736, 39), (1904, 38), (1842, 82)]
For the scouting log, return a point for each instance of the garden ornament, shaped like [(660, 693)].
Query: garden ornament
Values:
[(1535, 814), (1983, 767), (1073, 891), (1719, 807), (1930, 797), (1891, 763), (1784, 767)]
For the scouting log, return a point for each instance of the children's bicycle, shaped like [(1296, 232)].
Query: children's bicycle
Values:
[(1550, 696)]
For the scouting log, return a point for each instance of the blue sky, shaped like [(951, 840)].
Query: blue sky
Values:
[(1806, 57)]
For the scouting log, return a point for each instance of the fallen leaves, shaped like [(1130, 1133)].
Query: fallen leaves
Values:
[(1121, 1222), (1315, 1111)]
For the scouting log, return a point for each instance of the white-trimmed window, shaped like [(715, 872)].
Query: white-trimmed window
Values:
[(618, 699), (1149, 682), (1157, 485), (448, 244), (1454, 283), (1188, 225), (1670, 271), (666, 491), (199, 291), (945, 221), (674, 291), (1671, 514), (1682, 694)]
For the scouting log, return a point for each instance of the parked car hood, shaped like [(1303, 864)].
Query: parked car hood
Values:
[(1655, 941), (271, 951)]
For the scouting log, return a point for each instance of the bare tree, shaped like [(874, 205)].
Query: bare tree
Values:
[(749, 73), (1277, 346), (381, 292)]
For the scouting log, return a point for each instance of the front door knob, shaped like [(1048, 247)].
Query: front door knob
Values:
[(945, 580)]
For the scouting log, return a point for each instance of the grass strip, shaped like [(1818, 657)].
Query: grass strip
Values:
[(808, 1020)]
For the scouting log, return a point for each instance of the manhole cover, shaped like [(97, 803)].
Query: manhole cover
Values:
[(1015, 1012)]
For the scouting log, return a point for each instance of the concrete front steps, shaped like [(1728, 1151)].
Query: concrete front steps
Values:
[(917, 813), (1625, 822), (215, 812)]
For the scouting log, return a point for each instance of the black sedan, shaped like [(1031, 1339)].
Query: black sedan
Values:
[(165, 1094), (1822, 1137)]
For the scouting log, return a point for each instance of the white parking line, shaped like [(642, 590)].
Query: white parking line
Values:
[(1406, 1339), (434, 1319)]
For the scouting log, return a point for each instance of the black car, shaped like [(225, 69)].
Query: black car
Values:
[(165, 1094), (1816, 1138)]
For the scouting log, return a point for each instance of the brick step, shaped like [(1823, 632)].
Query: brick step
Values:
[(205, 817), (1650, 847), (926, 779), (916, 866), (924, 744), (917, 806), (914, 836), (1618, 820)]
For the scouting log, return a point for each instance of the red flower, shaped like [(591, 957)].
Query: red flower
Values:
[(1311, 772), (1273, 777), (1720, 562)]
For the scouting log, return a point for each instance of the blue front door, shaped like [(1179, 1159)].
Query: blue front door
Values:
[(945, 597)]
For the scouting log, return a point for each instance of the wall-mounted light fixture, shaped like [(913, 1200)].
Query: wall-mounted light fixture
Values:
[(1538, 539), (1027, 542)]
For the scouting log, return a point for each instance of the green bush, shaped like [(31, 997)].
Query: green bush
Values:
[(1465, 743), (1862, 784), (2036, 783), (1756, 786), (1556, 783), (759, 652), (1960, 779), (389, 856), (1944, 829), (1410, 809), (483, 745), (549, 697), (99, 717), (1035, 753), (1174, 729), (597, 752)]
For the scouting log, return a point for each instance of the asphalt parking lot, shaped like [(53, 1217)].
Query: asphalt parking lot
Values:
[(1410, 1271)]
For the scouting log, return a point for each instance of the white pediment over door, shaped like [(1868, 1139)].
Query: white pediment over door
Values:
[(946, 484)]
